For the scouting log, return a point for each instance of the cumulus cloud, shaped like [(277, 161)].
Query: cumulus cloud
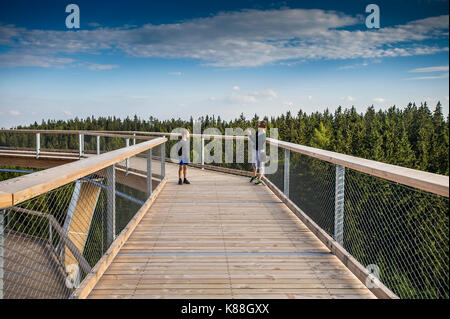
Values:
[(243, 38), (379, 100), (309, 98), (236, 88)]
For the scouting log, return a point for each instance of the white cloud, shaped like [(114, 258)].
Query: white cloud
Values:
[(101, 67), (431, 69), (348, 98), (14, 112), (175, 73), (253, 97), (379, 100), (239, 39), (212, 98), (310, 98), (14, 60), (236, 88), (431, 77), (68, 113)]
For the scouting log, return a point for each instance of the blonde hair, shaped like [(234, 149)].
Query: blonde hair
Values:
[(185, 134)]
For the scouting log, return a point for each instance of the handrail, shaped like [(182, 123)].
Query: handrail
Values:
[(73, 249), (19, 189), (430, 182)]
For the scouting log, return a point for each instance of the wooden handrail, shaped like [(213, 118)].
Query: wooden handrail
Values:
[(19, 189), (434, 183)]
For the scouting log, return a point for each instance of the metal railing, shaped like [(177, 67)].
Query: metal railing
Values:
[(56, 224)]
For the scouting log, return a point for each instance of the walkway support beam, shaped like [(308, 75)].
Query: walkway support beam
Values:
[(111, 204), (339, 205), (287, 155)]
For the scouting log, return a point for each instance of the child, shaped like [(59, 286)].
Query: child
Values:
[(259, 153), (183, 153)]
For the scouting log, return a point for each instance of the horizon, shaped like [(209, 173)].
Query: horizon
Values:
[(176, 60)]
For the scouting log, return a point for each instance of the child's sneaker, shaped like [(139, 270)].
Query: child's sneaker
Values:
[(252, 179), (260, 182), (185, 181), (180, 182)]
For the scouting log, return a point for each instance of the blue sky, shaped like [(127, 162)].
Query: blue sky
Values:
[(177, 59)]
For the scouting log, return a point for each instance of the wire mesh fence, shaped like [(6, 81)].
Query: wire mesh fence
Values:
[(401, 231), (51, 242)]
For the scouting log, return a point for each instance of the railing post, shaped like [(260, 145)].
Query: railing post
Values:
[(127, 161), (149, 173), (38, 145), (111, 204), (2, 242), (98, 144), (80, 145), (202, 155), (163, 160), (287, 155), (339, 205), (134, 140)]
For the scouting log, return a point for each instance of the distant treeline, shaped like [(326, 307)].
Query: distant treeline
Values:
[(414, 136)]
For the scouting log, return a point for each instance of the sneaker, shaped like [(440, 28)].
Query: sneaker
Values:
[(185, 181), (180, 181), (260, 182), (252, 179)]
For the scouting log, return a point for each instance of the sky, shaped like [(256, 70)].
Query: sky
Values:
[(176, 59)]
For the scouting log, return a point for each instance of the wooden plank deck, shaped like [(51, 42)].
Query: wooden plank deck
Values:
[(222, 237)]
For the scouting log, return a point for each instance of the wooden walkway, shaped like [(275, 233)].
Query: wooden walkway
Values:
[(222, 237)]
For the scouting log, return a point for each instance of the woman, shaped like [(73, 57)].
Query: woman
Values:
[(259, 152), (183, 153)]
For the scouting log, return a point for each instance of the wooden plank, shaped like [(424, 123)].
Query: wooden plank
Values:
[(379, 289), (205, 222)]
